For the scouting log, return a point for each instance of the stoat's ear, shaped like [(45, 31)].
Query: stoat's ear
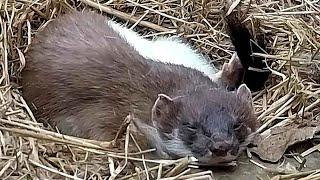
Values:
[(164, 113), (244, 92), (231, 74)]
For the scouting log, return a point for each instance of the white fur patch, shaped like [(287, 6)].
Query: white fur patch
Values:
[(176, 146), (166, 50)]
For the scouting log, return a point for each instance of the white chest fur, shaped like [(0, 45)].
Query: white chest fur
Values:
[(166, 50)]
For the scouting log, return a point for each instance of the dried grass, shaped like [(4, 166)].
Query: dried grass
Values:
[(28, 150)]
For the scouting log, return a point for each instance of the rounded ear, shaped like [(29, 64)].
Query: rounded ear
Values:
[(244, 92), (162, 106), (164, 113), (232, 72)]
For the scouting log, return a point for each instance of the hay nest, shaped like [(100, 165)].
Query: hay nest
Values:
[(28, 150)]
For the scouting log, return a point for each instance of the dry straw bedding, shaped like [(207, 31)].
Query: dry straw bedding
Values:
[(28, 150)]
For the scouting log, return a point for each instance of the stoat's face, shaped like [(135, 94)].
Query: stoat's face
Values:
[(211, 125)]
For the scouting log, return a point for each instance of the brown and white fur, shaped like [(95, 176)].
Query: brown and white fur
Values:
[(84, 77)]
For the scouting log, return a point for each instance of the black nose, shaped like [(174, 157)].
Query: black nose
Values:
[(219, 152), (222, 149)]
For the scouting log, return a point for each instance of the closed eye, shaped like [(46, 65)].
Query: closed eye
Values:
[(237, 126), (192, 129)]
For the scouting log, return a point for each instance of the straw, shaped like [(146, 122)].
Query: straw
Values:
[(29, 150)]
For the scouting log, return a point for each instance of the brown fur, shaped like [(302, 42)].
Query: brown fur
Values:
[(82, 77)]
